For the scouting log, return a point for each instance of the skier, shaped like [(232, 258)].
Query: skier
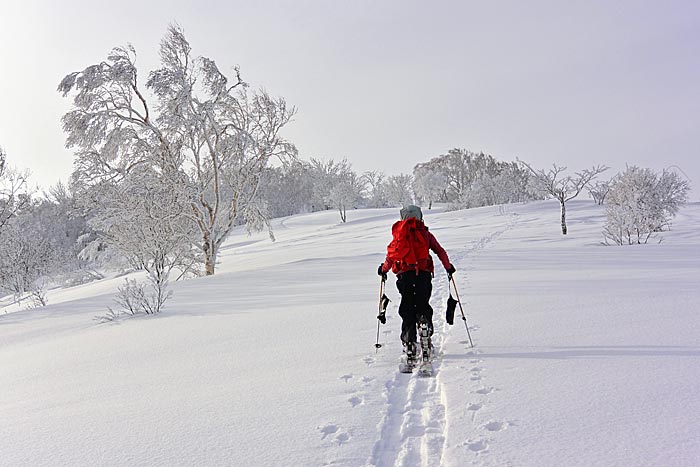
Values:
[(408, 258)]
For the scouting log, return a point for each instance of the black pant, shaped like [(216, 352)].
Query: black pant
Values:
[(415, 290)]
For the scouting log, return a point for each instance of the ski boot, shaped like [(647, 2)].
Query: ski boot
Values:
[(426, 366), (410, 359)]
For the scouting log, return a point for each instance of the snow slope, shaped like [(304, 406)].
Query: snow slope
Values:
[(585, 355)]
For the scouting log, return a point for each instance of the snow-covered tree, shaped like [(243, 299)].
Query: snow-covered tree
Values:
[(399, 190), (346, 193), (14, 190), (375, 188), (26, 257), (325, 174), (467, 179), (206, 136), (143, 219), (564, 188), (288, 189), (55, 218), (429, 185), (641, 202), (599, 190)]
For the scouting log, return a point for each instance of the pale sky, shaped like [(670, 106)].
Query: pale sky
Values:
[(388, 84)]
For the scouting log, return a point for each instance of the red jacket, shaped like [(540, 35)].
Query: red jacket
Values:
[(433, 244)]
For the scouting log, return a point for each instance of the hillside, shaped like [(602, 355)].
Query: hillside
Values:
[(585, 355)]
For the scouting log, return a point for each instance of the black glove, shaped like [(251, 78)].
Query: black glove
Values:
[(451, 270), (383, 303), (380, 272)]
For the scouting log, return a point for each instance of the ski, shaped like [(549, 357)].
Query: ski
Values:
[(406, 367), (425, 369)]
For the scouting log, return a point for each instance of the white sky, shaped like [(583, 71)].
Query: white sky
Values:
[(388, 84)]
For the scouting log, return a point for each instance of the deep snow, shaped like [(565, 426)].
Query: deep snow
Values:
[(585, 355)]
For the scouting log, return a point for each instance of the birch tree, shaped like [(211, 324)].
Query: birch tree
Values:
[(207, 136), (564, 188)]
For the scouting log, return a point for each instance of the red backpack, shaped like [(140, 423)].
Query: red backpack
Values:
[(409, 247)]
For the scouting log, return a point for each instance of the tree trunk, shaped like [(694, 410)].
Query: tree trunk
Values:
[(209, 256), (563, 217), (209, 264)]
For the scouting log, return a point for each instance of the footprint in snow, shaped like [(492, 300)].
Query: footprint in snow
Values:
[(495, 426), (475, 374), (346, 377), (369, 360), (332, 429), (474, 407), (328, 430), (485, 390), (477, 446), (355, 401)]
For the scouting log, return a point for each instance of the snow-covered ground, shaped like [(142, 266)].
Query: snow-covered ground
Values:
[(585, 355)]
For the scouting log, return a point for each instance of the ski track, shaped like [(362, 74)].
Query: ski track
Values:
[(414, 429)]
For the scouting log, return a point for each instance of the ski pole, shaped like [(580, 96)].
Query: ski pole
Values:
[(381, 317), (464, 318), (381, 293)]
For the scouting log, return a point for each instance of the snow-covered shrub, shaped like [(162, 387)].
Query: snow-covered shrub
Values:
[(135, 298), (640, 203), (38, 294)]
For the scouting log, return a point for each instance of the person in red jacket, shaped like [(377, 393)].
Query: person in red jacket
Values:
[(415, 284)]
